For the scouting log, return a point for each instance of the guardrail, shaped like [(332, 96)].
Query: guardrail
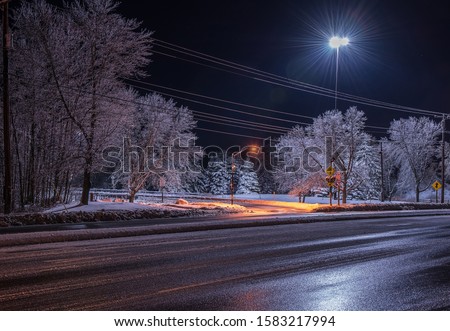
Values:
[(123, 195)]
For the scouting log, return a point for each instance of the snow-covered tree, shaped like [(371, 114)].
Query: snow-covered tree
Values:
[(247, 179), (391, 168), (46, 142), (414, 144), (199, 184), (306, 185), (332, 139), (86, 50), (266, 181), (289, 169), (447, 163), (218, 177), (160, 145), (266, 168), (367, 172), (347, 135)]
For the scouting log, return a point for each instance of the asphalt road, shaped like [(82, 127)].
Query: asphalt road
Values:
[(377, 264)]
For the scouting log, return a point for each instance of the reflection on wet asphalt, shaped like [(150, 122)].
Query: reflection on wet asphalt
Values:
[(384, 264)]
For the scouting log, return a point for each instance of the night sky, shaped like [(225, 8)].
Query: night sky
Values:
[(398, 53)]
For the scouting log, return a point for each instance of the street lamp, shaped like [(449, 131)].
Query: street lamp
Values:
[(253, 149), (337, 42)]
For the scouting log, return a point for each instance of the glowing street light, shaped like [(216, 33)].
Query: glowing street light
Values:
[(337, 42)]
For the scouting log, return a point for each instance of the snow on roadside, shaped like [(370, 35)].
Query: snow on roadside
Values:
[(218, 206), (113, 211), (103, 206), (112, 206), (289, 198)]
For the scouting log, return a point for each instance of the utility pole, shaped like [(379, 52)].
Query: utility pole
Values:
[(382, 171), (7, 194), (443, 160)]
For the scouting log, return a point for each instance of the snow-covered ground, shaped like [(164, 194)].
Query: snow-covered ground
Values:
[(108, 209), (127, 206), (253, 203), (288, 198), (204, 202)]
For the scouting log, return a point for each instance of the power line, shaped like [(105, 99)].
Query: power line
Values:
[(231, 134), (318, 90), (248, 124), (221, 100), (235, 120), (227, 101), (240, 126), (114, 98), (275, 79), (220, 107), (306, 87), (256, 127)]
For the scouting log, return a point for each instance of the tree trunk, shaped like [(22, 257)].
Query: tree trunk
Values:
[(132, 196), (417, 193), (86, 186), (344, 188), (31, 179), (66, 187)]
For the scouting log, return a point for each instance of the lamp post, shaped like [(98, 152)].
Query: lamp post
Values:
[(337, 42), (252, 149), (233, 168)]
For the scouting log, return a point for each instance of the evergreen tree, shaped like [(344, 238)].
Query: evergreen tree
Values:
[(367, 179), (266, 182), (218, 177), (198, 184), (247, 179)]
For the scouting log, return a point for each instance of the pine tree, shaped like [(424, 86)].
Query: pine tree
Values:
[(198, 184), (247, 179), (218, 177), (366, 183), (267, 182)]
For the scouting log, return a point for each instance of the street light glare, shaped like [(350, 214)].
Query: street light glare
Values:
[(336, 42)]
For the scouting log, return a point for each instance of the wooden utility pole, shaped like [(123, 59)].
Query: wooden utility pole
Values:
[(443, 161), (7, 194), (382, 172)]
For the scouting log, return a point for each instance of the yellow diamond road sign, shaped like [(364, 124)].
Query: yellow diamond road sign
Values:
[(436, 185), (330, 171)]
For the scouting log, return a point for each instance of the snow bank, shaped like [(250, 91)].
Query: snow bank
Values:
[(382, 206), (289, 198), (112, 211)]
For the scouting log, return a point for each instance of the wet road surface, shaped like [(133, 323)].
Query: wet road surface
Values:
[(378, 264)]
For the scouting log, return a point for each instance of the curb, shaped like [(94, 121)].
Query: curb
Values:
[(32, 238)]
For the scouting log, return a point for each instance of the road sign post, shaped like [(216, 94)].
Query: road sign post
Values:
[(436, 185), (330, 181), (338, 187), (330, 171)]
